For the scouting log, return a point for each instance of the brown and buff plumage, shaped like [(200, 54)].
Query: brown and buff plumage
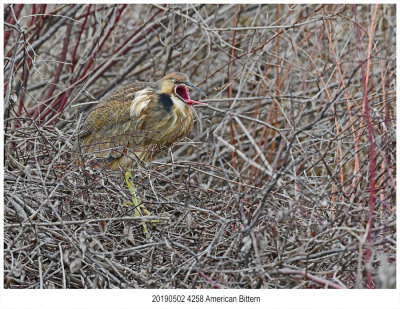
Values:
[(138, 121)]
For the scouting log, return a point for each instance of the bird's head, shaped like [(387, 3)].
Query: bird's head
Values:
[(178, 84)]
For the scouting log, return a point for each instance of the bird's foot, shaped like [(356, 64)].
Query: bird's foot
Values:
[(139, 207)]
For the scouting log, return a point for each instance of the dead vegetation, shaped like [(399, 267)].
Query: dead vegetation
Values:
[(287, 180)]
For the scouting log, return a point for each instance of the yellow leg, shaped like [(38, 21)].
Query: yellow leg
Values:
[(137, 203)]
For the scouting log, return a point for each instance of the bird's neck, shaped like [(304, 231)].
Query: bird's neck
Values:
[(180, 106)]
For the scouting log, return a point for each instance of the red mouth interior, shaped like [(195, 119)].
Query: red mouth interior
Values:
[(182, 92)]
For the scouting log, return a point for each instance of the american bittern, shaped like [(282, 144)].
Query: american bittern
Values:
[(138, 121)]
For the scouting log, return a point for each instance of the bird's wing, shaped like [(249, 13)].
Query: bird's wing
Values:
[(112, 110), (110, 129)]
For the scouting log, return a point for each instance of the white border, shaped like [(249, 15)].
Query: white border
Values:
[(337, 299), (288, 299)]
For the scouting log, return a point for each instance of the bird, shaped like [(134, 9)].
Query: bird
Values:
[(137, 122)]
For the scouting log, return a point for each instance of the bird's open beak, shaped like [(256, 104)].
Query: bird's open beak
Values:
[(190, 85), (188, 100)]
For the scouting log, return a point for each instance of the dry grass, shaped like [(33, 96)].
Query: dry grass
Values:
[(287, 180)]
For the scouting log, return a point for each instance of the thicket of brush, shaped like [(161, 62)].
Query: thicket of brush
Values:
[(287, 180)]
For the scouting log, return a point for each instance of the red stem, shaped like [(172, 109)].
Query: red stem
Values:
[(79, 39), (103, 41), (230, 93), (212, 282), (35, 20), (97, 9), (33, 15), (372, 162), (63, 99), (56, 76), (11, 20), (43, 9), (131, 45), (318, 280)]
